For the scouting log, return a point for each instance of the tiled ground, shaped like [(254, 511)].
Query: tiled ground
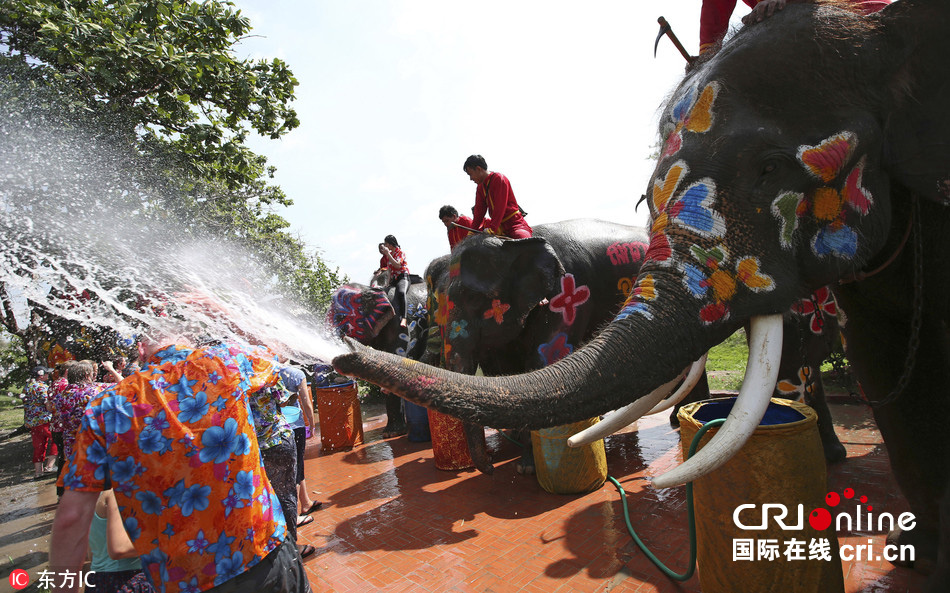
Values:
[(393, 522)]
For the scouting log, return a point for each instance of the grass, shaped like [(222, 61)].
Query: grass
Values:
[(10, 419), (726, 363)]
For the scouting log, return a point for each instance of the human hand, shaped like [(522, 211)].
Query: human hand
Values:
[(762, 10)]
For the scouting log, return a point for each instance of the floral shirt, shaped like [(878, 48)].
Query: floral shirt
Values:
[(269, 423), (68, 406), (35, 412), (177, 444), (395, 269)]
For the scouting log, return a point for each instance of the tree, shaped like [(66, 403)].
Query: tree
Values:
[(168, 67), (153, 86)]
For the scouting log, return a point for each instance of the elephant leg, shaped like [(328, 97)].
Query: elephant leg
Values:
[(834, 450), (478, 448), (395, 419), (940, 579), (525, 465)]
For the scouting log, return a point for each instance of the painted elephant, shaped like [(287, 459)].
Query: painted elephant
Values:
[(366, 314), (835, 172), (809, 335), (509, 306)]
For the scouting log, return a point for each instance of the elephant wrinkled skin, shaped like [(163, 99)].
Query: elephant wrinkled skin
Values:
[(509, 306), (800, 155)]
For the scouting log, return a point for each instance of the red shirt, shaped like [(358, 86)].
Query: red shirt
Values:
[(456, 234), (397, 268), (715, 14), (496, 198)]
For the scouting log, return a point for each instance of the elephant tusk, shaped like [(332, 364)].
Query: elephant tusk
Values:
[(624, 416), (765, 351), (695, 372)]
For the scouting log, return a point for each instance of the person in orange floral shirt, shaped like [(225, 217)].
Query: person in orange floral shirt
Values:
[(176, 443)]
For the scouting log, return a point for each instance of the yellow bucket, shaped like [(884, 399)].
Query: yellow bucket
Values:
[(567, 470), (781, 463)]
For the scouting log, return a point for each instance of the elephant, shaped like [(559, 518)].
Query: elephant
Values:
[(809, 335), (769, 186), (366, 314), (508, 306)]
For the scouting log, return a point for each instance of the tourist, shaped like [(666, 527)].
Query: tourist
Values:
[(177, 444), (37, 417)]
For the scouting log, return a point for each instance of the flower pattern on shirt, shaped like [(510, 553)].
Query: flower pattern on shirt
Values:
[(68, 406), (177, 443), (35, 413)]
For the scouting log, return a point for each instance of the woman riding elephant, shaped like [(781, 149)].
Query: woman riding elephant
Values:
[(836, 172), (367, 315), (507, 306)]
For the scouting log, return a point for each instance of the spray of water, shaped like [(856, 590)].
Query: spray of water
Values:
[(89, 233)]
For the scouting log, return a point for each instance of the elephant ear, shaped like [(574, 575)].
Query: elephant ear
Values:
[(359, 312), (535, 274), (916, 46)]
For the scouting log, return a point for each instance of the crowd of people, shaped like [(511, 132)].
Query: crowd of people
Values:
[(184, 471), (180, 473)]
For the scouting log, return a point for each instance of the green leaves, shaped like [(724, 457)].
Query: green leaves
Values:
[(165, 75)]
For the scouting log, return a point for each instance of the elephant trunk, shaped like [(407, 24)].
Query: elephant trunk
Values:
[(600, 377), (627, 360)]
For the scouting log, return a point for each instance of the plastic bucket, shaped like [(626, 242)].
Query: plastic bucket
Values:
[(567, 470), (449, 445), (341, 418), (417, 422), (781, 463)]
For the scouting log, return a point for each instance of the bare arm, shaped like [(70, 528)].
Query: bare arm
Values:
[(113, 375), (119, 544), (70, 538), (306, 404)]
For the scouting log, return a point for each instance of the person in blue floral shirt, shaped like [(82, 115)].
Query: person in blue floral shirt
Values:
[(37, 417), (177, 444)]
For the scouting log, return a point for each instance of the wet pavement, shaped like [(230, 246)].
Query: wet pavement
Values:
[(393, 522)]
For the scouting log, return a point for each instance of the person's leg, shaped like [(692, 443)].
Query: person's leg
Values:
[(38, 440), (60, 458), (402, 287), (52, 451), (280, 463), (307, 505)]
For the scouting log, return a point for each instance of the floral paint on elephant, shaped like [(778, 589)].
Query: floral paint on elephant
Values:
[(639, 299), (498, 310), (347, 315), (829, 206), (416, 315), (715, 277), (569, 299), (692, 112), (815, 307), (800, 389), (556, 349)]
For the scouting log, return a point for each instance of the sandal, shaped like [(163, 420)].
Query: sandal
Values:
[(314, 507), (306, 550), (301, 521)]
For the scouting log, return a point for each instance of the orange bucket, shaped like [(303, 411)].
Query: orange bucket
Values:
[(449, 447), (341, 418)]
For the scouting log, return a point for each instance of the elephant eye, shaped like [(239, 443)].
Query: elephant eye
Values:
[(768, 167)]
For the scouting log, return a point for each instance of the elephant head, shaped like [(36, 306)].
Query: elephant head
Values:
[(494, 285), (800, 155), (360, 312)]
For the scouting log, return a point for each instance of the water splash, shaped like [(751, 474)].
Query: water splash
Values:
[(94, 234)]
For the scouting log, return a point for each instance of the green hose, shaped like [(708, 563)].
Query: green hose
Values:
[(690, 518)]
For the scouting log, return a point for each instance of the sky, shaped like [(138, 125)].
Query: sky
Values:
[(561, 97)]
